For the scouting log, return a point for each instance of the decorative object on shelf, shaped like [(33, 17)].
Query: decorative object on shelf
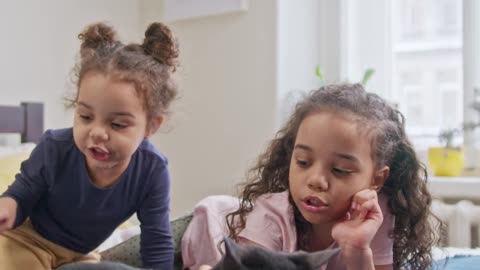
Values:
[(175, 10), (448, 160)]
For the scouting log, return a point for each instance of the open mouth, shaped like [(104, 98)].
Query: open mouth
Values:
[(314, 204), (99, 154)]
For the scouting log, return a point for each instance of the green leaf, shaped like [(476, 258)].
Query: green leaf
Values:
[(318, 72), (367, 75)]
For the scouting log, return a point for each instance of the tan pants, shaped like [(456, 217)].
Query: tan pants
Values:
[(24, 248)]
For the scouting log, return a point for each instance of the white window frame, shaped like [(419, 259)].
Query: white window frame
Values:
[(382, 83)]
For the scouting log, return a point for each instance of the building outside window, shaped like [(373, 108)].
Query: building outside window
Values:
[(427, 76)]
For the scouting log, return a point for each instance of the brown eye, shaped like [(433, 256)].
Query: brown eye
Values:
[(85, 117), (118, 126), (341, 172), (303, 163)]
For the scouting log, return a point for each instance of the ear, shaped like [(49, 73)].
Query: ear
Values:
[(380, 177), (154, 125)]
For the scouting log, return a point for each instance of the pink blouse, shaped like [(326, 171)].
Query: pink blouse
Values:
[(270, 224)]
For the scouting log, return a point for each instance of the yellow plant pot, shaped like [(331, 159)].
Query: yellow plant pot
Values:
[(445, 161)]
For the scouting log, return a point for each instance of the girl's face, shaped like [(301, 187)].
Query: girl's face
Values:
[(109, 124), (331, 161)]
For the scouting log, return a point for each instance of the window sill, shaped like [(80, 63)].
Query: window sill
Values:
[(462, 187)]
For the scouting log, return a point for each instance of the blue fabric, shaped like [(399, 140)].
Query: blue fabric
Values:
[(55, 191), (459, 263)]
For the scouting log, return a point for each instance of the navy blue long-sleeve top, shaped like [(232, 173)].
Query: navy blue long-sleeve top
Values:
[(54, 189)]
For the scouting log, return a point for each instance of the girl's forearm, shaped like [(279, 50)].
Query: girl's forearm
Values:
[(358, 259)]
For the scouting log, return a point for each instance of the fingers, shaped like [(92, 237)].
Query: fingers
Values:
[(4, 225), (365, 208), (365, 203), (205, 267), (8, 209), (364, 196)]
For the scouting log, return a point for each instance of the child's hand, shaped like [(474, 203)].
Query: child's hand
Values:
[(8, 213), (357, 229)]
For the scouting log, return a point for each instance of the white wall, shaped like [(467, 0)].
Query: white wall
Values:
[(235, 71), (227, 109), (308, 34), (368, 43), (39, 45)]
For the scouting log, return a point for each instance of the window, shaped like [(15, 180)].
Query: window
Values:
[(427, 76), (415, 47)]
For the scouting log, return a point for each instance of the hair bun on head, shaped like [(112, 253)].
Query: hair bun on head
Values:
[(97, 35), (160, 43)]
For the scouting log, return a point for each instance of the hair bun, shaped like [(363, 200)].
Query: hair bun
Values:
[(160, 43), (97, 35)]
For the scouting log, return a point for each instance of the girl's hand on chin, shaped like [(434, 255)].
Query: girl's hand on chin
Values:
[(357, 229)]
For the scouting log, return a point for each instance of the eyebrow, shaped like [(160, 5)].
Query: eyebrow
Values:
[(347, 157), (339, 155), (81, 103), (84, 104), (303, 147)]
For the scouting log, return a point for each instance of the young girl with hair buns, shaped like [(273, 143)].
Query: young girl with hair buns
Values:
[(80, 183)]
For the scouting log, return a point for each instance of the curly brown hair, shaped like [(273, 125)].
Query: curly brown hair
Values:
[(148, 66), (406, 187)]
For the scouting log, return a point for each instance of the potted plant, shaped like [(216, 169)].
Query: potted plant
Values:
[(448, 160)]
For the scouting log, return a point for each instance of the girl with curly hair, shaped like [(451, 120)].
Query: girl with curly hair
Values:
[(340, 173)]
